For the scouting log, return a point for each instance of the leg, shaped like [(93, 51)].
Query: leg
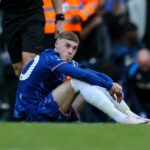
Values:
[(98, 99), (26, 57), (78, 104), (123, 107), (56, 107), (64, 96), (17, 68), (14, 46), (65, 101)]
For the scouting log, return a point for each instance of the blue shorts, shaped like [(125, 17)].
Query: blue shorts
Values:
[(47, 111)]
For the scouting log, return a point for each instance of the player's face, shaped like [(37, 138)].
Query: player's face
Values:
[(66, 48)]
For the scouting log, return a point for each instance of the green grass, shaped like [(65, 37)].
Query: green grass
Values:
[(24, 136)]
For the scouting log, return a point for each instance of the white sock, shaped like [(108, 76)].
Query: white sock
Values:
[(123, 107), (98, 99)]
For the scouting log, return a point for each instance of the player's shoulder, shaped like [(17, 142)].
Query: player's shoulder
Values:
[(50, 54)]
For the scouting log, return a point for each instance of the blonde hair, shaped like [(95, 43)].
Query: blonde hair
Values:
[(68, 36)]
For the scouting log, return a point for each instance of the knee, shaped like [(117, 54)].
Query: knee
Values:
[(26, 57), (17, 68), (78, 85), (17, 72)]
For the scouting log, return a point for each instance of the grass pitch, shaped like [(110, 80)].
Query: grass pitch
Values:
[(24, 136)]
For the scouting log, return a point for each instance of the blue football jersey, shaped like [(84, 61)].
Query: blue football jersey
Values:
[(38, 77)]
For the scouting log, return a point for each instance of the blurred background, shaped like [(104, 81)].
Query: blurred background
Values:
[(115, 39)]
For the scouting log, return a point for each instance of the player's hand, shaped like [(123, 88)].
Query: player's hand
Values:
[(59, 27), (119, 96), (76, 19), (116, 90)]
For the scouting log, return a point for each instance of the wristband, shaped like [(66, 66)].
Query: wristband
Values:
[(59, 17)]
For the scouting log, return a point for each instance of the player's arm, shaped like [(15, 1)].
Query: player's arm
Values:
[(102, 75), (57, 4), (83, 75)]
